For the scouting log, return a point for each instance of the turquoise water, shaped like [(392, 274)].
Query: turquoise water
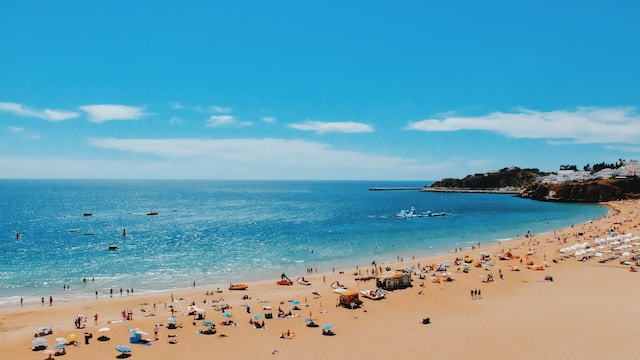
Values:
[(216, 232)]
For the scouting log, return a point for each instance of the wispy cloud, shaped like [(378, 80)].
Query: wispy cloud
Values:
[(175, 120), (322, 127), (176, 106), (269, 158), (219, 120), (582, 125), (107, 112), (15, 129), (225, 120), (269, 119), (214, 109), (47, 114)]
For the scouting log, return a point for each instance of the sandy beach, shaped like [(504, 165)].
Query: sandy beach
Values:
[(587, 311)]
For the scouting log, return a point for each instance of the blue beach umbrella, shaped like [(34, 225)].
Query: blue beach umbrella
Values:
[(295, 302), (226, 314), (123, 349), (207, 323), (172, 319), (39, 342), (60, 346), (258, 316), (327, 327)]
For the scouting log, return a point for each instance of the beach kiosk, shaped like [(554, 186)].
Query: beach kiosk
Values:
[(349, 299), (394, 281)]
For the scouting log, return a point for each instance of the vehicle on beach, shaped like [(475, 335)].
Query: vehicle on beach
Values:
[(238, 286)]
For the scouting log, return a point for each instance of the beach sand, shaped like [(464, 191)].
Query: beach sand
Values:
[(587, 311)]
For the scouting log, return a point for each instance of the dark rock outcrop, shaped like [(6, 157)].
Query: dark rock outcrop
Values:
[(512, 177), (584, 191)]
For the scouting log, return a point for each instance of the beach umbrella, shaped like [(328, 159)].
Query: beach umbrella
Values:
[(61, 340), (39, 342), (49, 352), (226, 314), (258, 316), (172, 319), (207, 323), (311, 319), (123, 349), (60, 346), (327, 327), (295, 302), (104, 329)]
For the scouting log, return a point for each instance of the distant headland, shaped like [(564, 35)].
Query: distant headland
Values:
[(597, 183)]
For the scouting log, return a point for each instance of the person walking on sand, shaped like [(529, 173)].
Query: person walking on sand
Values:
[(472, 294), (155, 332)]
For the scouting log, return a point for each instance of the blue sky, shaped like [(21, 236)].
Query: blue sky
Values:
[(356, 90)]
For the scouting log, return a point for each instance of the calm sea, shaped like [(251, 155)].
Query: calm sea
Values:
[(217, 232)]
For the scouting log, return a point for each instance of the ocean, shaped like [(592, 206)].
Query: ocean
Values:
[(218, 232)]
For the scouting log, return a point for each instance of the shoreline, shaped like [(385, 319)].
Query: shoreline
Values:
[(510, 303)]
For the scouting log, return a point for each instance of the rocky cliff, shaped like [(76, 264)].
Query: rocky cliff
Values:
[(512, 177), (584, 191)]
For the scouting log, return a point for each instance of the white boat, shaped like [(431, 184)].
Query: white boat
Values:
[(302, 281), (376, 294), (411, 213)]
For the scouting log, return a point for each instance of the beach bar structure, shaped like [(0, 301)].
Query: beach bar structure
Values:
[(349, 299), (394, 281)]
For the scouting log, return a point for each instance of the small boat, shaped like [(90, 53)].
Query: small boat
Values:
[(284, 282), (74, 230), (411, 213), (113, 247), (302, 281), (238, 286), (337, 285), (372, 294), (87, 214), (152, 213)]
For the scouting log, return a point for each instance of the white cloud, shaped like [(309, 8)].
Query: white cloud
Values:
[(322, 127), (107, 112), (267, 158), (219, 120), (15, 129), (269, 119), (214, 109), (220, 109), (47, 114), (175, 120), (224, 120), (176, 106), (582, 125)]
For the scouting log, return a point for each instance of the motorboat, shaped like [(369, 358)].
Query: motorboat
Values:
[(411, 213), (113, 247), (337, 285), (284, 282), (373, 294), (302, 281), (152, 213)]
